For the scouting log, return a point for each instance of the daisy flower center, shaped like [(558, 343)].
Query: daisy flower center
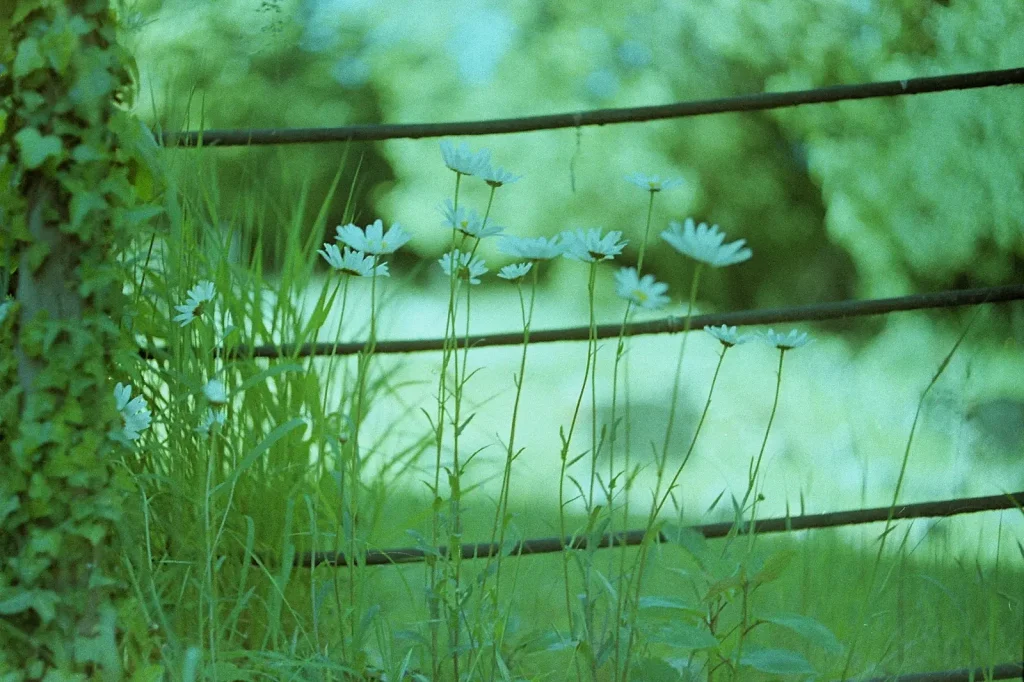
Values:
[(640, 295)]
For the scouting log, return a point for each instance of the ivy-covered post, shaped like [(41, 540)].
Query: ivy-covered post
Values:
[(73, 164)]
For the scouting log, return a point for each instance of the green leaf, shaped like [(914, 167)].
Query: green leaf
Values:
[(22, 601), (671, 603), (151, 673), (689, 539), (654, 670), (809, 629), (685, 636), (42, 602), (36, 148), (84, 153), (774, 566), (777, 662), (81, 204), (29, 58)]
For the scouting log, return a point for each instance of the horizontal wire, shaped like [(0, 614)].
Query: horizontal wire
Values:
[(1004, 671), (754, 102), (967, 505), (668, 325)]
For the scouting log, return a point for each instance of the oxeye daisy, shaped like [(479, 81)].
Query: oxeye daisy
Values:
[(643, 291), (134, 414), (195, 305), (727, 335), (704, 243), (590, 246), (653, 183), (794, 339), (373, 239), (352, 262), (515, 272), (468, 268), (496, 176), (210, 419), (216, 392), (461, 160), (531, 248), (467, 221)]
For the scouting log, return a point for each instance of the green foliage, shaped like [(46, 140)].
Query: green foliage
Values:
[(70, 162)]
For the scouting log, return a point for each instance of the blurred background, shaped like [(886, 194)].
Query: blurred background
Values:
[(865, 199)]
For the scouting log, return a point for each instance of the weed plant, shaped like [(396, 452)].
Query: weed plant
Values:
[(261, 490)]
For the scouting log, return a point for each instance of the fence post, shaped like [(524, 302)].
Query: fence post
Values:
[(73, 165)]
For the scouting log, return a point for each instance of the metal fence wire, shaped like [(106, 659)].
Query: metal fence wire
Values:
[(817, 312)]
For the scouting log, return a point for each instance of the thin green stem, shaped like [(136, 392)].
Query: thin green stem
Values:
[(755, 467), (620, 351), (564, 455), (433, 596)]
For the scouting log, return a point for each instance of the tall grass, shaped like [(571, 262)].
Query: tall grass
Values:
[(300, 464)]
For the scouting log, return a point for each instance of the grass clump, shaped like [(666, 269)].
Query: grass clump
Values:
[(253, 462)]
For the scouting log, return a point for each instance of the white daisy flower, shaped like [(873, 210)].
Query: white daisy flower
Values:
[(352, 263), (194, 306), (704, 243), (210, 419), (653, 183), (794, 339), (515, 271), (461, 160), (467, 221), (643, 291), (216, 392), (496, 176), (373, 239), (467, 269), (728, 336), (531, 248), (134, 412), (590, 246)]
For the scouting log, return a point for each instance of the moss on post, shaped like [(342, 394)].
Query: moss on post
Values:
[(73, 163)]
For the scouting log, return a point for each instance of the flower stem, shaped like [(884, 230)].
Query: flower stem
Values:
[(564, 455)]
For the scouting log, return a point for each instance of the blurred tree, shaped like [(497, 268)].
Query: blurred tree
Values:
[(249, 64), (880, 197)]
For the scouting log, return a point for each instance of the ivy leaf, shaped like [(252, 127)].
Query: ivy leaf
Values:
[(81, 204), (35, 148), (29, 58), (777, 662), (22, 601), (43, 602), (85, 152)]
